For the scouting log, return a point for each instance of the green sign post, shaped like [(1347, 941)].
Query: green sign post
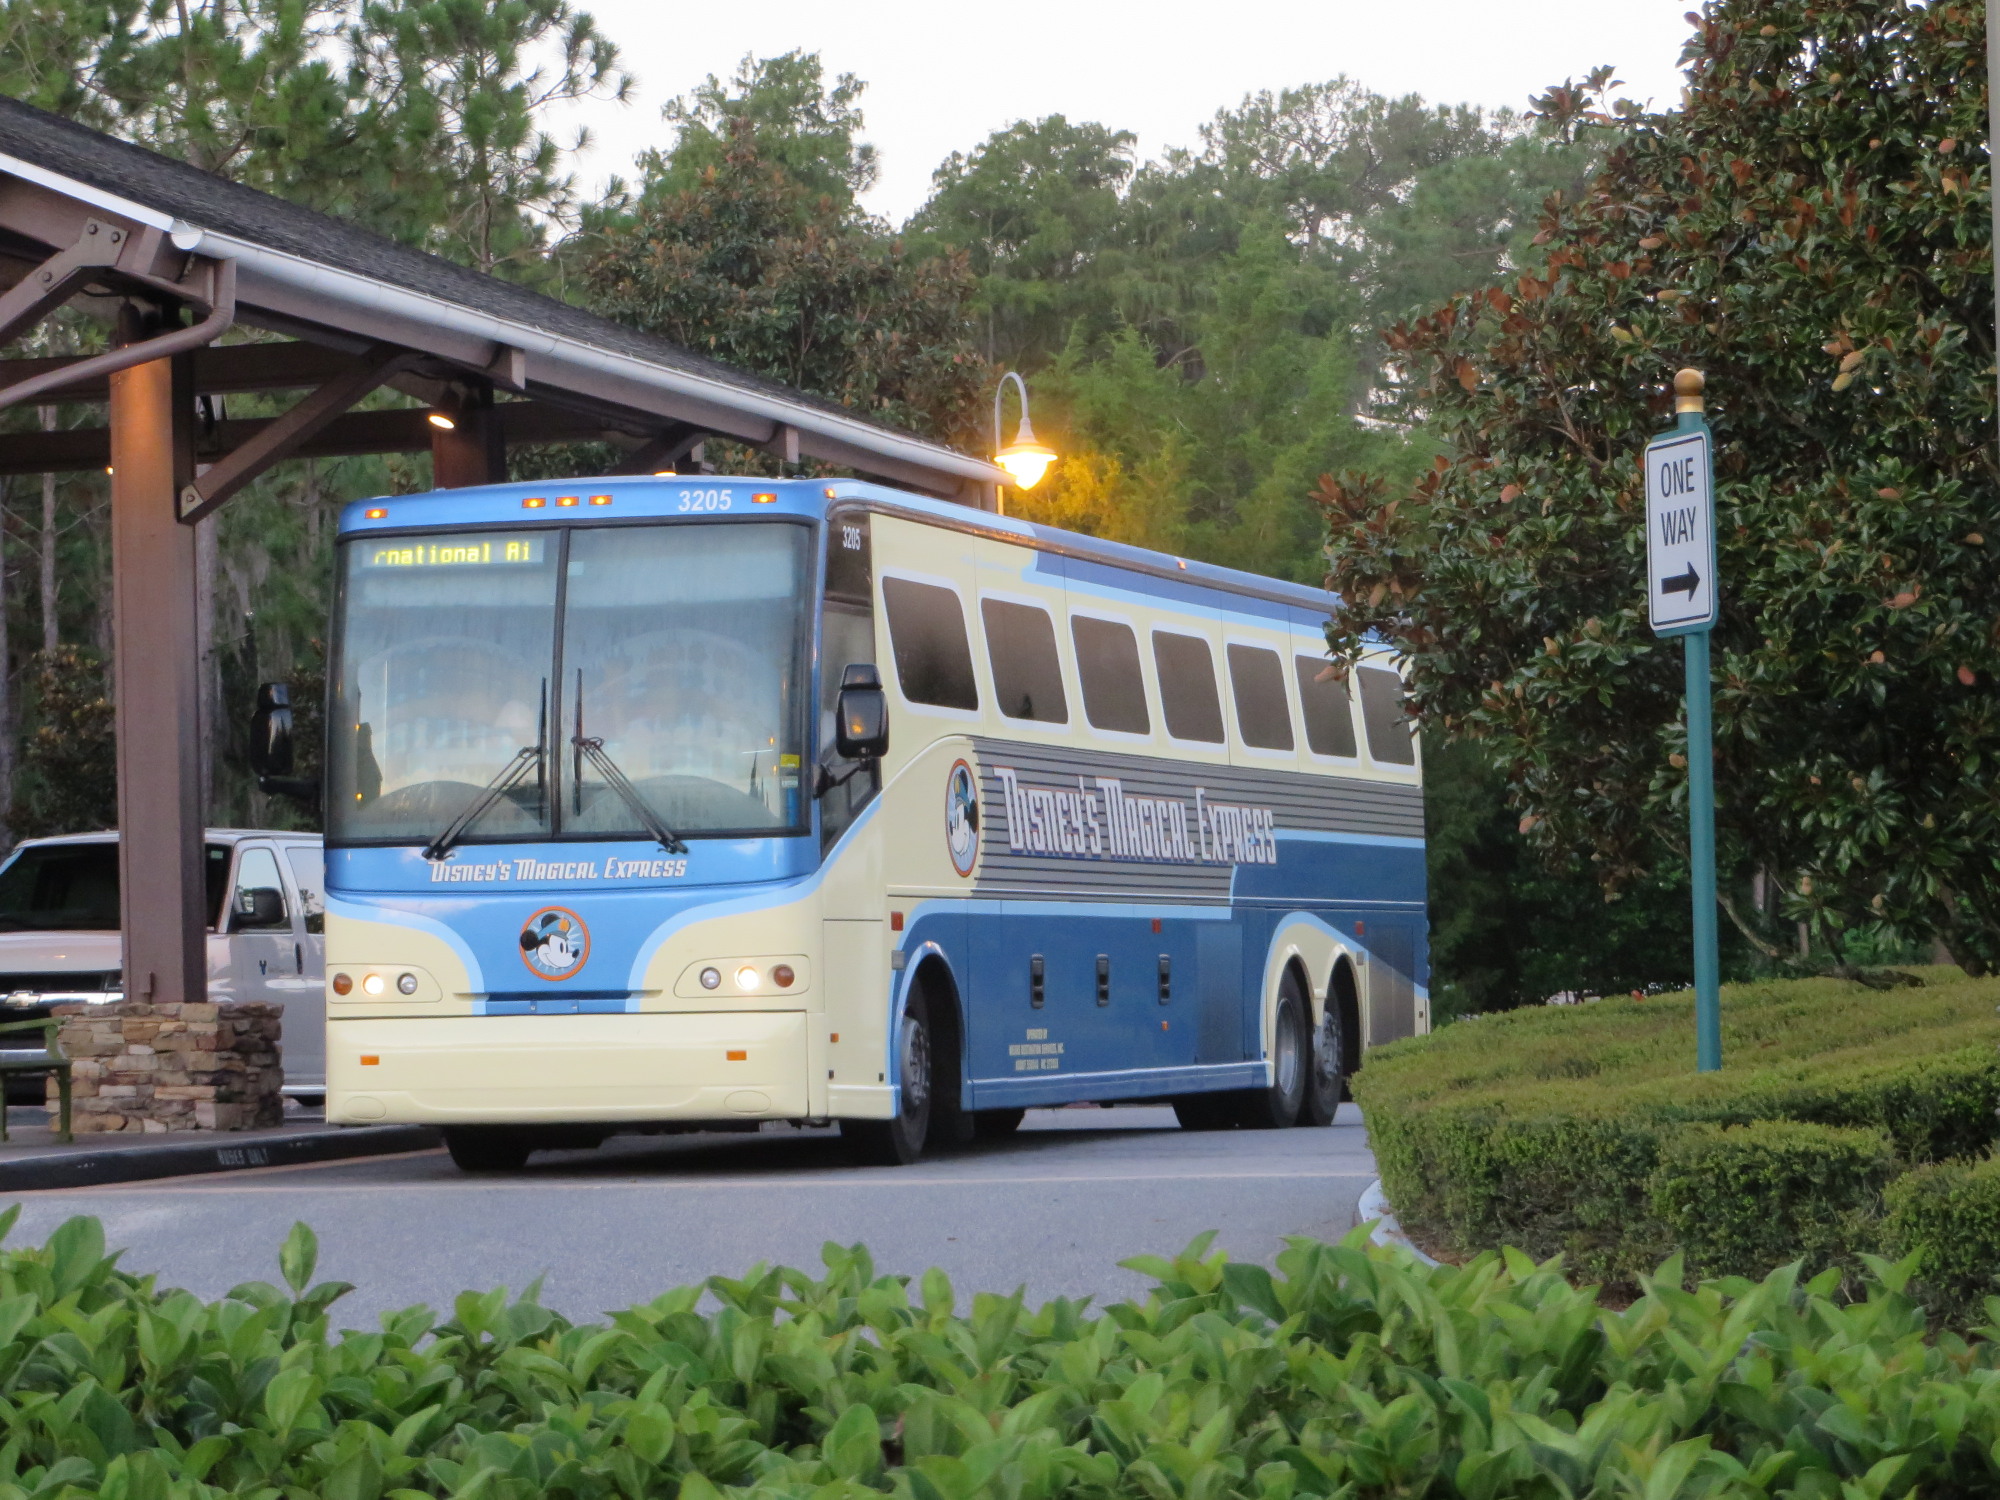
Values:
[(1681, 600)]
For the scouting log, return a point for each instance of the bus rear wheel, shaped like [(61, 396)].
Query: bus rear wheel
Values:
[(486, 1148), (1277, 1106), (898, 1142), (1323, 1080)]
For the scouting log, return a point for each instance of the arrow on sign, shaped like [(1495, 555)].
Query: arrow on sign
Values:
[(1682, 583)]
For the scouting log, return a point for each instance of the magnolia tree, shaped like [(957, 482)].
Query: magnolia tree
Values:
[(1811, 229)]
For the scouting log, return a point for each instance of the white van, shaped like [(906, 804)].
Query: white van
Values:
[(266, 924)]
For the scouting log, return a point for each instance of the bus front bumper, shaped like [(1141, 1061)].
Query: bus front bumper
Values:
[(581, 1068)]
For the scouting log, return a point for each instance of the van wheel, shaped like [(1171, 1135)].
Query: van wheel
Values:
[(898, 1142), (996, 1124), (1324, 1085), (479, 1148), (1277, 1106)]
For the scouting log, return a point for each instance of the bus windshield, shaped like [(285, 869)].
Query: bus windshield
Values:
[(679, 664)]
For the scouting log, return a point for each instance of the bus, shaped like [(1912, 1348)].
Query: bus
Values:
[(671, 803)]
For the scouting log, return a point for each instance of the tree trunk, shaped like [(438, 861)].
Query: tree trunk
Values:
[(206, 558), (47, 548)]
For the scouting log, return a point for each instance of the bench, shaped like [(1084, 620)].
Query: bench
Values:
[(49, 1060)]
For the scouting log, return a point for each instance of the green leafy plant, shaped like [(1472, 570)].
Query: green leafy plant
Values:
[(1346, 1371)]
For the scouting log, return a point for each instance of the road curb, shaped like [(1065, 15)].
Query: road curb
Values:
[(89, 1168), (1385, 1231)]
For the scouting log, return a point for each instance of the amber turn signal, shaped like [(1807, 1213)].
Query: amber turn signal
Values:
[(782, 976), (343, 984)]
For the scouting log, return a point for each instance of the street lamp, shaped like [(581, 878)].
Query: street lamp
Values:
[(1027, 458)]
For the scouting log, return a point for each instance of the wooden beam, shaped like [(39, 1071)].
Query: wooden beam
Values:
[(219, 370), (80, 449), (281, 437), (666, 451)]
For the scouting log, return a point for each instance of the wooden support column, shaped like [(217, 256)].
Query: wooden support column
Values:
[(471, 451), (161, 887)]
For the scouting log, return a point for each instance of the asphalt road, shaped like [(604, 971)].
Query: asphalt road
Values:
[(1054, 1210)]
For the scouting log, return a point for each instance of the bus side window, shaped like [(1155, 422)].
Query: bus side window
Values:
[(1328, 710), (1027, 673), (1107, 664), (1187, 687), (1389, 739), (927, 635), (1257, 680)]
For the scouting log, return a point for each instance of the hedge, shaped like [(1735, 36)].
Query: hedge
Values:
[(1947, 1216), (1554, 1129), (1351, 1372)]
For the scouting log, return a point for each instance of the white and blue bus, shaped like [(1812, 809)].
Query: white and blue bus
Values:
[(659, 803)]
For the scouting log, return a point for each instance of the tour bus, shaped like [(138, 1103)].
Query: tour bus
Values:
[(658, 804)]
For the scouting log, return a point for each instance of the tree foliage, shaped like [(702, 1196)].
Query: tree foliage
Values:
[(1812, 230)]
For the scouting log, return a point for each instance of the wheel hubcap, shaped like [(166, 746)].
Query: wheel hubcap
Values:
[(1288, 1058), (1326, 1065), (916, 1066)]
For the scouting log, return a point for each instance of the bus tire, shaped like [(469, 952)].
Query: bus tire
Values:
[(1324, 1080), (1276, 1106), (1206, 1111), (898, 1142), (483, 1148), (996, 1124)]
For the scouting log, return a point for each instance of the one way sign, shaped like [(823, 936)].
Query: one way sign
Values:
[(1680, 534)]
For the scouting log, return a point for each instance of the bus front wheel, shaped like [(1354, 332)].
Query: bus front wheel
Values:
[(898, 1142)]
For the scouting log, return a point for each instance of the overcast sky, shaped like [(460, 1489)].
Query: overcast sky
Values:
[(943, 77)]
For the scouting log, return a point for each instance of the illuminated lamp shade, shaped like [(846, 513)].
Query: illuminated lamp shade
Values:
[(440, 421), (1027, 458)]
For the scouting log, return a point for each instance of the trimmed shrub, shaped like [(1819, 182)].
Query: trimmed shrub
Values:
[(1348, 1372), (1947, 1215), (1740, 1200), (1544, 1128)]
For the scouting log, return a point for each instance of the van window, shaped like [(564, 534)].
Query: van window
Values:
[(1107, 664), (1188, 698), (1257, 679), (74, 887), (309, 875), (257, 882), (1328, 709), (1027, 673), (1389, 738), (927, 635)]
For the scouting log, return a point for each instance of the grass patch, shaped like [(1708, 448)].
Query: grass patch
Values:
[(1575, 1130)]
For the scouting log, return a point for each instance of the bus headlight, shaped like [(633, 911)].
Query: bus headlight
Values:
[(746, 978), (406, 983), (710, 978), (374, 984)]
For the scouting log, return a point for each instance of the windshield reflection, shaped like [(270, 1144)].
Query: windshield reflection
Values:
[(681, 651)]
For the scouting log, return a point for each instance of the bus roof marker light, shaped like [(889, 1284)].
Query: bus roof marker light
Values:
[(566, 500), (600, 499), (764, 499), (376, 512), (533, 502)]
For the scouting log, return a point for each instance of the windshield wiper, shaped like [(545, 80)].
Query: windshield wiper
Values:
[(591, 748), (528, 757)]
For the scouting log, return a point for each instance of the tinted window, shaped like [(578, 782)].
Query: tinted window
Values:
[(1107, 664), (74, 887), (309, 874), (1027, 674), (1328, 710), (1382, 711), (927, 635), (1187, 687), (1257, 679)]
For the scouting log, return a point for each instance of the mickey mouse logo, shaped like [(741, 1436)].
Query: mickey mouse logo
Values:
[(554, 943), (961, 818)]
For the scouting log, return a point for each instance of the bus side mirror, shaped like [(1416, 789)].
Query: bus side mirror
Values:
[(271, 731), (861, 715)]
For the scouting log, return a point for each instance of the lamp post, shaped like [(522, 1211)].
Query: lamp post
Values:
[(1027, 458)]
